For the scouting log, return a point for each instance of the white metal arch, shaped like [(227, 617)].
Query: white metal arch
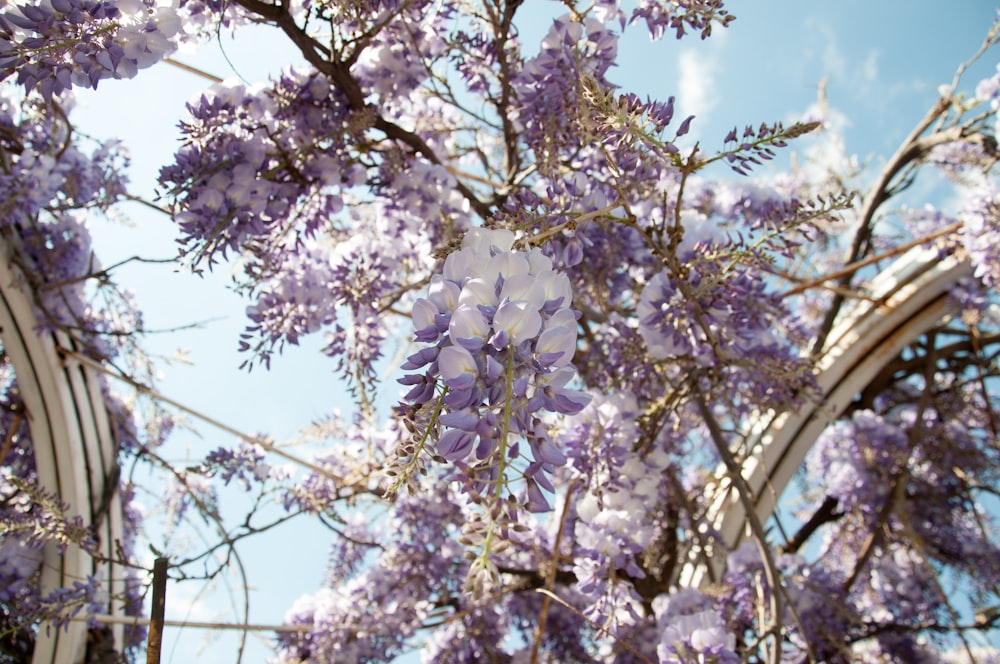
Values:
[(75, 453), (902, 302)]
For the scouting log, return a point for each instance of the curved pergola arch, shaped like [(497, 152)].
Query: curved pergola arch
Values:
[(75, 454), (901, 303)]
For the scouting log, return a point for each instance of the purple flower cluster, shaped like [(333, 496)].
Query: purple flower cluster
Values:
[(45, 171), (260, 168), (187, 491), (53, 45), (36, 515), (857, 458), (292, 303), (988, 90), (550, 86), (886, 471), (202, 18), (754, 146), (245, 464), (339, 287), (422, 190), (396, 591), (503, 338), (32, 518), (478, 636), (564, 627), (725, 319), (611, 530), (819, 601), (395, 60), (20, 555), (901, 588), (680, 16), (692, 630), (981, 232), (19, 562), (50, 182), (479, 68)]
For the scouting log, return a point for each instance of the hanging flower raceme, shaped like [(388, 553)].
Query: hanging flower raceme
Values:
[(692, 630), (503, 337), (55, 45)]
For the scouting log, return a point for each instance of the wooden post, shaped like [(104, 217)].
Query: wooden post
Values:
[(155, 638)]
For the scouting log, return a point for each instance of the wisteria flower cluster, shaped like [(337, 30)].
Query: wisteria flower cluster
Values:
[(693, 631), (858, 457), (55, 45), (699, 15), (51, 182), (988, 90), (32, 519), (620, 484), (504, 337), (981, 232), (818, 609), (709, 320), (550, 86), (281, 153)]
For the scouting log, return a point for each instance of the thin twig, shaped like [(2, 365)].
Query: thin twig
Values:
[(550, 580), (9, 439), (105, 619), (744, 494), (193, 70), (600, 628), (854, 267)]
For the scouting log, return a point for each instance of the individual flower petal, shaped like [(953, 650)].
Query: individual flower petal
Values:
[(462, 265), (494, 369), (539, 262), (536, 500), (468, 327), (457, 367), (455, 444), (424, 313), (460, 419), (555, 287), (555, 346), (478, 291), (523, 288), (545, 451), (518, 320), (507, 265), (443, 293), (557, 378), (568, 402), (562, 318), (420, 358), (483, 240)]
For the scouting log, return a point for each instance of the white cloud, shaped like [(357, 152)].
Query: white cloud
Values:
[(848, 70), (825, 49), (869, 70), (834, 62), (697, 94)]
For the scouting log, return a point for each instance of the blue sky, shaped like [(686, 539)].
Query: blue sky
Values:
[(883, 62)]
